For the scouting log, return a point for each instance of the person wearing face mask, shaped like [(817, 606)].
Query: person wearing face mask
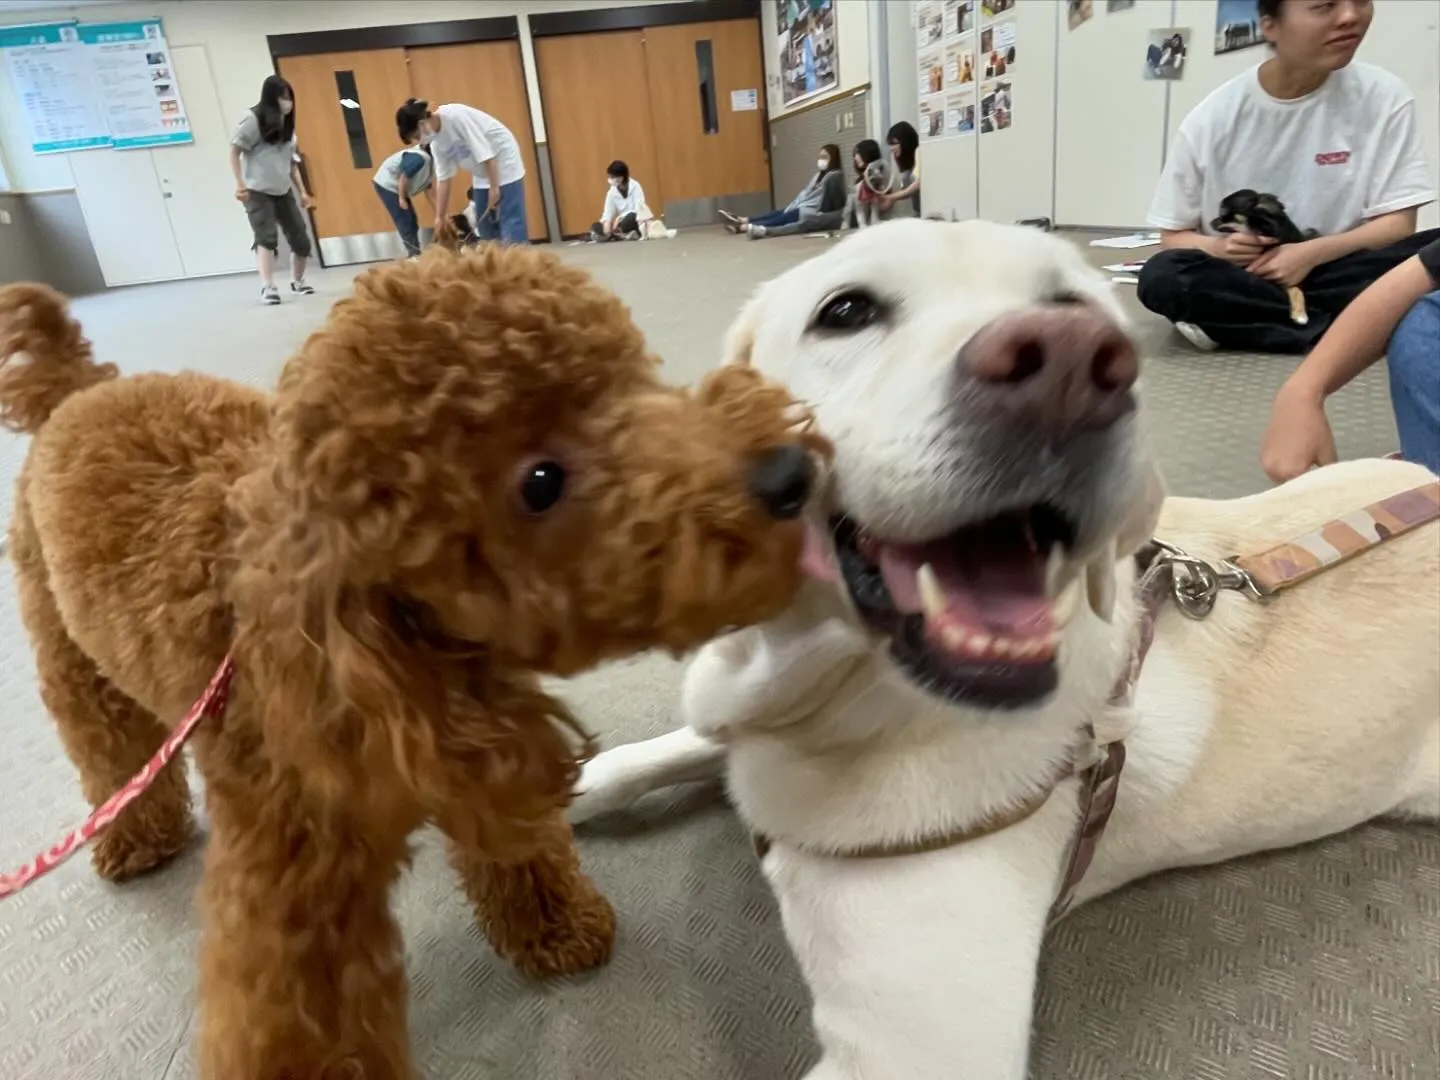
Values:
[(625, 209), (402, 176), (266, 167), (824, 193), (461, 138)]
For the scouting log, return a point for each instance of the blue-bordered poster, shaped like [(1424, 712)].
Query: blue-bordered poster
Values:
[(139, 94), (54, 82)]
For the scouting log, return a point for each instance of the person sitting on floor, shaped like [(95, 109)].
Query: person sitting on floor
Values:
[(1335, 141), (810, 201), (1299, 436), (904, 142), (625, 211)]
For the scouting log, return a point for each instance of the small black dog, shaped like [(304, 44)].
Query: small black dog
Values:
[(1263, 214)]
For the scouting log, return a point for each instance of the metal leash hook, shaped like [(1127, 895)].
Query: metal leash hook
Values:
[(1195, 584)]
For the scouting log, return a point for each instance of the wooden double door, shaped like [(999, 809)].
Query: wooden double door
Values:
[(682, 106), (345, 106)]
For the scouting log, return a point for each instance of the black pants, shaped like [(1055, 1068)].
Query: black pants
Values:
[(624, 226), (1241, 310)]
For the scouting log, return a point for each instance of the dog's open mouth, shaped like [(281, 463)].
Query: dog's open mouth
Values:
[(976, 616)]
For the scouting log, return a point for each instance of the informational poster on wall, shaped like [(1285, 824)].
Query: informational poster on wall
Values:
[(50, 70), (947, 67), (808, 64), (996, 61), (137, 84)]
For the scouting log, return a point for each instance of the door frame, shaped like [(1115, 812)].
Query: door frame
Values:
[(403, 36), (638, 17)]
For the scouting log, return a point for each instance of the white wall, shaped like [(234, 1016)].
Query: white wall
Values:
[(233, 33), (852, 52), (1110, 123), (1017, 166)]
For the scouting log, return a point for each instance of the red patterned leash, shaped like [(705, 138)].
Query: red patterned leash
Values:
[(211, 703)]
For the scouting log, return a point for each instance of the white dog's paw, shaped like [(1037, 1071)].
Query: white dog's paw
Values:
[(605, 788)]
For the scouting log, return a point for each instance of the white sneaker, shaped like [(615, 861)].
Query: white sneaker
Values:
[(269, 295), (756, 232), (1197, 337)]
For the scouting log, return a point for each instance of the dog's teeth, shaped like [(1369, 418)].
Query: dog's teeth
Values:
[(981, 643), (932, 597), (1062, 608), (1002, 646), (1100, 585), (954, 638), (1053, 566)]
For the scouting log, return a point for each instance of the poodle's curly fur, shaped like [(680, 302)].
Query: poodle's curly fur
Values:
[(359, 543)]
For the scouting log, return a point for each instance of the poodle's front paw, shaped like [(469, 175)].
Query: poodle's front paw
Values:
[(575, 934)]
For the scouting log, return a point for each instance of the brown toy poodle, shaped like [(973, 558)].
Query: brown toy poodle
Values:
[(469, 477)]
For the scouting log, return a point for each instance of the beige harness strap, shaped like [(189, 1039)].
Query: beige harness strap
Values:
[(1305, 556)]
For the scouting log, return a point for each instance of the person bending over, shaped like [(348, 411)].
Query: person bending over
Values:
[(1335, 141), (625, 210), (811, 200), (1299, 435), (402, 176), (462, 138)]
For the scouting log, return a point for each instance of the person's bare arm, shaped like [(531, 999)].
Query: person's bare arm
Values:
[(1299, 436), (240, 192), (306, 199), (402, 191), (1239, 248), (441, 199), (1378, 232), (492, 173)]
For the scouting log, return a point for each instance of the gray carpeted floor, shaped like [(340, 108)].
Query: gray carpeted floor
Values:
[(1321, 963)]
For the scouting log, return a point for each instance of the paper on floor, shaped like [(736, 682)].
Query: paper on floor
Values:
[(1130, 240)]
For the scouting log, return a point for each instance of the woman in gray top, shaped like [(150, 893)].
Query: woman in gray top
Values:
[(263, 159), (811, 200)]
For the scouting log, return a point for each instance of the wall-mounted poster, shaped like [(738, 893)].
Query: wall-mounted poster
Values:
[(54, 84), (139, 94), (947, 67), (1237, 26), (808, 63)]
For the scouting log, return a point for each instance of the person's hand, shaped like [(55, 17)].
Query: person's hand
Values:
[(1240, 248), (404, 202), (1287, 264), (1298, 437), (492, 204), (242, 193), (307, 201)]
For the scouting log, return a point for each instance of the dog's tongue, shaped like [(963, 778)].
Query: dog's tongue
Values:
[(989, 583)]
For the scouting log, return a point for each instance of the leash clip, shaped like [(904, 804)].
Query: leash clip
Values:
[(1196, 584)]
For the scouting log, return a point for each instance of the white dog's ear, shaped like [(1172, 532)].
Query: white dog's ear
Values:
[(740, 338)]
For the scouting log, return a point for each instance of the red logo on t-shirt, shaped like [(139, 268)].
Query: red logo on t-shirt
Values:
[(1334, 157)]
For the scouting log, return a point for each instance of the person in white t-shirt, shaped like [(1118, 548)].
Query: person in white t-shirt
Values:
[(1335, 141), (625, 210), (460, 138)]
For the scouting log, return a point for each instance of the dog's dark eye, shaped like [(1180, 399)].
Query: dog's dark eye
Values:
[(848, 312), (542, 486)]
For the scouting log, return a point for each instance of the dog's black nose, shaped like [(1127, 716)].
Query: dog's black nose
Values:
[(781, 479)]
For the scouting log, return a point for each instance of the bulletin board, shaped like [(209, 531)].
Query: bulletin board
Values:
[(95, 86)]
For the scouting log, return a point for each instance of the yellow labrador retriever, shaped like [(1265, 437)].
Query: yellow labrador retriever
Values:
[(907, 736)]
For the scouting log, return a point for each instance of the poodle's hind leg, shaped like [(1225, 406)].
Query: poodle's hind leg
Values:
[(107, 735), (542, 914)]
